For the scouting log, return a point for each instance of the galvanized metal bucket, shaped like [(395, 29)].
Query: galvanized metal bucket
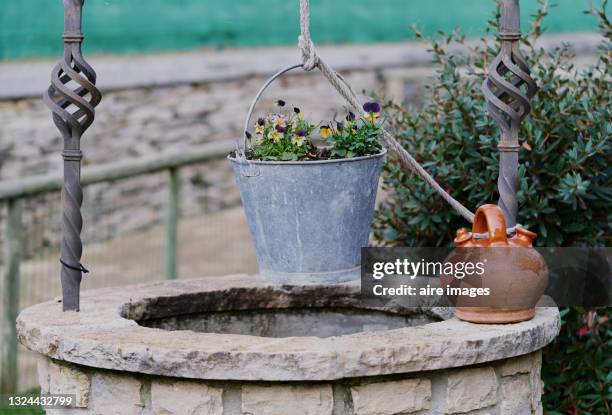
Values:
[(308, 219)]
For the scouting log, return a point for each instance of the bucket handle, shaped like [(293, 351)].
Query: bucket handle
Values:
[(241, 149)]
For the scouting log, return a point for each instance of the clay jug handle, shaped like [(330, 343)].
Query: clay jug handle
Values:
[(490, 219)]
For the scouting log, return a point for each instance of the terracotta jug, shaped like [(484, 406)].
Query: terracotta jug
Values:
[(515, 273)]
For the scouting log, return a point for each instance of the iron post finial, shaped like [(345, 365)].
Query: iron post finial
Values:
[(508, 90), (73, 110)]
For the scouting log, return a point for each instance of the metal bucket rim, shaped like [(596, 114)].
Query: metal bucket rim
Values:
[(233, 159)]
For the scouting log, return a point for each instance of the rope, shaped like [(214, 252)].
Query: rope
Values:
[(311, 60)]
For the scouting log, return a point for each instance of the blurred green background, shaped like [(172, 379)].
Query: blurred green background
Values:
[(32, 28)]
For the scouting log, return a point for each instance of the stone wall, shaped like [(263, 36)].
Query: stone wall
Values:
[(141, 122), (152, 104), (508, 387)]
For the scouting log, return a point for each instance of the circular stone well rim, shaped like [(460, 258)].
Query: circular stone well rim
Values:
[(99, 336)]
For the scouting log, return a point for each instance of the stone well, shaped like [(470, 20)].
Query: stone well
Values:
[(237, 345)]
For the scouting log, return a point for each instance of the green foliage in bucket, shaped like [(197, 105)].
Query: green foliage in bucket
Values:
[(284, 136), (281, 136), (355, 136), (565, 194)]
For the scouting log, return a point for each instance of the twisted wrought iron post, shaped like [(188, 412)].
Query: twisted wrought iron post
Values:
[(72, 98), (508, 90)]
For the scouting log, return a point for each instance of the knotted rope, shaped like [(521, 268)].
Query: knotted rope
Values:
[(311, 60)]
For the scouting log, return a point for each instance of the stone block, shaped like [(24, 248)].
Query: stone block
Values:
[(537, 388), (287, 399), (516, 396), (530, 365), (115, 394), (56, 378), (539, 410), (521, 364), (392, 397), (185, 398), (471, 389), (535, 378)]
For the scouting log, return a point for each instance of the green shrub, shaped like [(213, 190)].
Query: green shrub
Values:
[(565, 194), (577, 367)]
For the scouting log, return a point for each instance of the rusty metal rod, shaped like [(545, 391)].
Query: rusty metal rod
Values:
[(73, 112), (508, 90)]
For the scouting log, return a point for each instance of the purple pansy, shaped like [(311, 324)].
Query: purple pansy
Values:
[(371, 107)]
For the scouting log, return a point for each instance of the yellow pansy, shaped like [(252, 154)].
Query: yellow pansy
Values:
[(276, 136), (279, 121), (371, 116), (372, 110), (325, 131)]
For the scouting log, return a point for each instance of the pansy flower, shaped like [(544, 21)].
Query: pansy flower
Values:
[(279, 120), (278, 133), (276, 136), (260, 126), (298, 113), (372, 110), (325, 131), (280, 103), (299, 138), (350, 116)]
